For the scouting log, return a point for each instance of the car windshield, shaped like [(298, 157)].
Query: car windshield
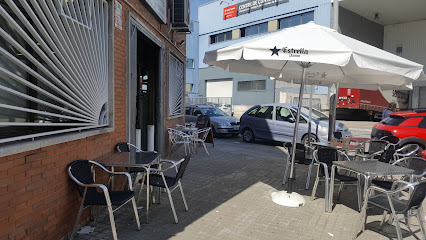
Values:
[(392, 120), (213, 112), (316, 115)]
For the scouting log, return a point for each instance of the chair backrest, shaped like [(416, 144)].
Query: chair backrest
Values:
[(122, 147), (203, 133), (417, 196), (202, 121), (182, 167), (300, 151), (388, 155), (338, 135), (377, 146), (418, 164), (391, 139), (176, 135), (81, 170)]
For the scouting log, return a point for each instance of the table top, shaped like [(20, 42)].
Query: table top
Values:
[(128, 159), (186, 129), (372, 168)]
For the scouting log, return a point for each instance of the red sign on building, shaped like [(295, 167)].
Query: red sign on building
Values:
[(230, 12)]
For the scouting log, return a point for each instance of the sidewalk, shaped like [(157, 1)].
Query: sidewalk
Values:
[(229, 197)]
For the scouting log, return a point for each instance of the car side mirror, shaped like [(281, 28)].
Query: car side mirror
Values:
[(232, 114), (291, 120)]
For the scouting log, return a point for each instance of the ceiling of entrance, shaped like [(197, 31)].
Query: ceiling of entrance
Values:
[(387, 12)]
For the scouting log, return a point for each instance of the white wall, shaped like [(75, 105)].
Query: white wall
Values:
[(412, 37)]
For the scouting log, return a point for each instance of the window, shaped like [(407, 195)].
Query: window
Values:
[(422, 124), (283, 114), (301, 119), (253, 111), (176, 84), (189, 87), (197, 112), (187, 111), (265, 112), (296, 20), (422, 97), (256, 85), (46, 88), (393, 120), (190, 63), (254, 29), (220, 37)]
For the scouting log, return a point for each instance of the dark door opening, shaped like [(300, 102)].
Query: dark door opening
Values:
[(147, 85)]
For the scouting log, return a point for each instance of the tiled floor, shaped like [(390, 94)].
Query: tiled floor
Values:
[(229, 197)]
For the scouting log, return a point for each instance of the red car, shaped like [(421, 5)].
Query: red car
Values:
[(409, 126)]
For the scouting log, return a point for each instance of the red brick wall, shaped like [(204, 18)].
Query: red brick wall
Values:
[(37, 199)]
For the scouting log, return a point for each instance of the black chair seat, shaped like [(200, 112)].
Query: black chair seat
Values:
[(381, 201), (382, 184), (157, 181), (344, 178), (118, 198)]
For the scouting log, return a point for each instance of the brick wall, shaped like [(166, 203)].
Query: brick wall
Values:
[(37, 199)]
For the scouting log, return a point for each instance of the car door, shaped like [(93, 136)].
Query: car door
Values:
[(194, 114), (263, 123), (303, 126), (284, 125)]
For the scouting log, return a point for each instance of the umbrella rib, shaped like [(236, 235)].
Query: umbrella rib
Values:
[(344, 74), (283, 67)]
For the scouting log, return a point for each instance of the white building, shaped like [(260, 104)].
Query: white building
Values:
[(395, 26)]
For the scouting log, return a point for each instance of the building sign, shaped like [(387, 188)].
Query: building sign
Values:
[(250, 6), (230, 12), (159, 7), (118, 18)]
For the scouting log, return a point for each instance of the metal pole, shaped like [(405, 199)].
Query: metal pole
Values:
[(336, 15), (296, 128), (310, 122), (336, 98)]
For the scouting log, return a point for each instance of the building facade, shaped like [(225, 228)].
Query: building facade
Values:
[(76, 78), (397, 28)]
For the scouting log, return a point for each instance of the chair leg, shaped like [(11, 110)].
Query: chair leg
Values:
[(135, 209), (172, 205), (308, 178), (141, 188), (183, 196), (398, 228), (80, 211), (420, 219), (385, 214), (205, 148), (314, 190), (111, 219), (340, 190)]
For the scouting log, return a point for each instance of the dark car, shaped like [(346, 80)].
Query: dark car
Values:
[(222, 123), (409, 126)]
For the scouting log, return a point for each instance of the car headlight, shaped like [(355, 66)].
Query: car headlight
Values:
[(324, 128), (224, 124)]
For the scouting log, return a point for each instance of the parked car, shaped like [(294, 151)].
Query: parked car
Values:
[(276, 122), (409, 126), (222, 123)]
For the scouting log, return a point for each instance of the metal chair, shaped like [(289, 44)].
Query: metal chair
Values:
[(375, 149), (81, 172), (324, 158), (408, 150), (300, 156), (393, 141), (389, 201), (177, 137), (200, 136), (157, 178)]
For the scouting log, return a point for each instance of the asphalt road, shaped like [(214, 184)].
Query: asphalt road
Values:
[(360, 128)]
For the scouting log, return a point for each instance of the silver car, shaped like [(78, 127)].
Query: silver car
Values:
[(277, 121), (222, 123)]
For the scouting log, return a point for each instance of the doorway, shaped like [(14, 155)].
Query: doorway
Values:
[(145, 118)]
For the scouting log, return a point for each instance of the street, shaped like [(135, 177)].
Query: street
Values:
[(360, 128)]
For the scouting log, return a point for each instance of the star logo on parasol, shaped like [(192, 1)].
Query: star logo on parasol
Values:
[(323, 75), (274, 51)]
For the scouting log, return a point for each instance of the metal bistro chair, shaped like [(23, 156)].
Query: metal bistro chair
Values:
[(408, 150), (157, 178), (389, 201), (324, 158), (177, 137), (200, 136), (81, 172), (375, 149), (393, 141), (299, 157)]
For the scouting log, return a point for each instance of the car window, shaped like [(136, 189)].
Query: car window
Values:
[(187, 111), (253, 111), (196, 112), (422, 124), (213, 112), (265, 112), (301, 119), (393, 120), (283, 114)]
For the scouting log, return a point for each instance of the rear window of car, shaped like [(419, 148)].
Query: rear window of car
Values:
[(393, 120), (422, 124), (253, 111)]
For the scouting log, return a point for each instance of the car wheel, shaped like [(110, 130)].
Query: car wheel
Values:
[(305, 139), (248, 135)]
